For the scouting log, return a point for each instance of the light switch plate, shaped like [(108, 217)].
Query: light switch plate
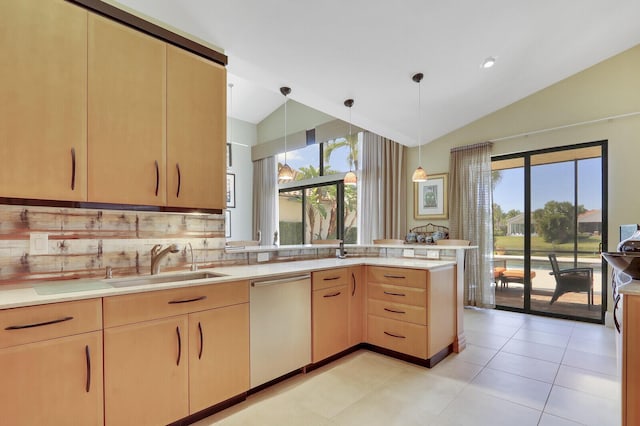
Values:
[(38, 243), (433, 254), (409, 253), (263, 257)]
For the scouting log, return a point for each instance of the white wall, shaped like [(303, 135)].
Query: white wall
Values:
[(608, 89), (243, 136)]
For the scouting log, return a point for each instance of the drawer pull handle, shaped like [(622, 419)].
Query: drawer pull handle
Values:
[(394, 311), (331, 278), (38, 324), (73, 169), (397, 336), (337, 293), (201, 340), (179, 345), (353, 278), (400, 277), (173, 302), (87, 356), (157, 177), (179, 180), (394, 294)]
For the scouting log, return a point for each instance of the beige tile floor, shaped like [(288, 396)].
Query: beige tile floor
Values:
[(517, 370)]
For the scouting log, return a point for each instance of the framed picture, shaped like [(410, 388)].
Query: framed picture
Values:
[(231, 189), (430, 198), (229, 158), (227, 223)]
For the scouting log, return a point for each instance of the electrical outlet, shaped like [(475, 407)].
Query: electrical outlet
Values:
[(263, 257), (38, 243), (433, 254), (409, 253)]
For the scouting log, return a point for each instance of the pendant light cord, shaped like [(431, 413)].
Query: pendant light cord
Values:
[(230, 112), (419, 126), (285, 129)]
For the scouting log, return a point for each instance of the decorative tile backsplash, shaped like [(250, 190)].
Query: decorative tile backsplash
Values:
[(83, 242)]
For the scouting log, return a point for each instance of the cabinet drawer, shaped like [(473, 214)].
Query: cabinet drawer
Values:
[(398, 276), (398, 311), (43, 322), (330, 278), (398, 294), (131, 308), (399, 336)]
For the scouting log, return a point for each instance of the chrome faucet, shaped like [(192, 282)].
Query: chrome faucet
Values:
[(342, 253), (157, 254)]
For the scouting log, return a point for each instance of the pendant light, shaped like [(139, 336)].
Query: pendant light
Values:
[(350, 178), (419, 175), (285, 172)]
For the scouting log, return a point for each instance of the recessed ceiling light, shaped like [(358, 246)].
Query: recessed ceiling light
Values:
[(489, 62)]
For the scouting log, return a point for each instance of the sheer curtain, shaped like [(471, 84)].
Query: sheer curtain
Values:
[(383, 192), (265, 191), (470, 212)]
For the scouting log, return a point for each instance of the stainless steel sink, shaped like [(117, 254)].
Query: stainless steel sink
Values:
[(163, 278)]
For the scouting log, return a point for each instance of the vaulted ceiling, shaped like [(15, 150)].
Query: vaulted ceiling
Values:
[(331, 50)]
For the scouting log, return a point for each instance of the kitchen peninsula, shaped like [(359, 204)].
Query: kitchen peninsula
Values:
[(138, 321)]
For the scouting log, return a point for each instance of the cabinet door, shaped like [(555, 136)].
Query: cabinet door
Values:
[(127, 108), (356, 305), (630, 356), (43, 80), (218, 355), (146, 372), (196, 131), (56, 382), (330, 311)]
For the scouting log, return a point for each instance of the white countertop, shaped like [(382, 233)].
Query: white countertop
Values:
[(17, 295), (252, 249), (631, 289)]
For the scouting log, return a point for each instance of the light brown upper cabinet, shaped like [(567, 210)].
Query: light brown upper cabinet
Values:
[(196, 131), (127, 115), (43, 80)]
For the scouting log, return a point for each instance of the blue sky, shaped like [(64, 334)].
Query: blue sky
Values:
[(551, 182)]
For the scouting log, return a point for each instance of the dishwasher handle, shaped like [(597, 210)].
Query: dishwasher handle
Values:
[(280, 280)]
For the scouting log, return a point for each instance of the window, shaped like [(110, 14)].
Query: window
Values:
[(317, 205)]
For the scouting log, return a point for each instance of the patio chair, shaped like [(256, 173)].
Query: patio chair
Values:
[(577, 280)]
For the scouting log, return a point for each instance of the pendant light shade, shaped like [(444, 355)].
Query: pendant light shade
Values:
[(350, 178), (285, 172), (419, 175)]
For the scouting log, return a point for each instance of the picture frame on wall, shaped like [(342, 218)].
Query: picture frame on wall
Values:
[(227, 223), (229, 157), (231, 190), (430, 197)]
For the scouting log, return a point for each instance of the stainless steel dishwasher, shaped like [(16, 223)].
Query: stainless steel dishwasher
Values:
[(280, 321)]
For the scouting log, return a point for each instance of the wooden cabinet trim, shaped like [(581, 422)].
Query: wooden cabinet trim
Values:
[(151, 29), (132, 308), (85, 316)]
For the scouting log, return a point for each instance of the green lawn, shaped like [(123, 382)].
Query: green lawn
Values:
[(515, 245)]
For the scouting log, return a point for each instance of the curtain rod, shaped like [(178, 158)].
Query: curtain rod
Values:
[(472, 146), (566, 126)]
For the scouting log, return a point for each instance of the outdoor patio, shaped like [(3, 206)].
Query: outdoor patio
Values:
[(543, 286)]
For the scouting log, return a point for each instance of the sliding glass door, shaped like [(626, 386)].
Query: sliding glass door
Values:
[(549, 226)]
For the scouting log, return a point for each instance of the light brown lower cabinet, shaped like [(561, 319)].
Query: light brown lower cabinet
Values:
[(160, 370), (218, 355), (630, 357), (51, 365), (330, 312), (411, 311), (356, 304)]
